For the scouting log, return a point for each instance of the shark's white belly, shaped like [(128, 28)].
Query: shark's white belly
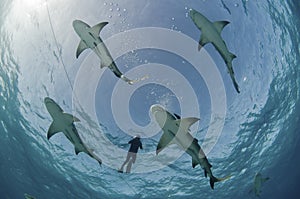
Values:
[(104, 55)]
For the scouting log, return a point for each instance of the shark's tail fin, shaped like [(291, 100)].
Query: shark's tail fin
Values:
[(213, 179), (129, 81)]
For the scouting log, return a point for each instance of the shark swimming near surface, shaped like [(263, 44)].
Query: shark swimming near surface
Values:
[(211, 33), (64, 122), (90, 39), (176, 131), (27, 196), (259, 180)]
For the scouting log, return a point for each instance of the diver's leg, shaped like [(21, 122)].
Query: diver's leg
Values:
[(127, 159), (129, 166)]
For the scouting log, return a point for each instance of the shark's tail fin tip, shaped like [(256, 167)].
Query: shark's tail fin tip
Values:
[(213, 179)]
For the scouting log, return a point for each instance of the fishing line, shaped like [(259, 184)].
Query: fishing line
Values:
[(129, 185), (56, 43)]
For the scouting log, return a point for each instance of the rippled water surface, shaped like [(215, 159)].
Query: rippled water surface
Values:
[(242, 134)]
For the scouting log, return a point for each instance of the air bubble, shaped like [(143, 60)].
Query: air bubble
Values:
[(118, 9), (236, 5)]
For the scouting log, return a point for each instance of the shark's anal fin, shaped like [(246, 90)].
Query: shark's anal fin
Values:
[(70, 118), (77, 150), (219, 25), (97, 28), (203, 40), (81, 47), (53, 129), (194, 163)]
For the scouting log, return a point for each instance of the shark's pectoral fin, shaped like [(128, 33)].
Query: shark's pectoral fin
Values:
[(165, 140), (205, 173), (194, 163), (70, 118), (53, 129), (81, 47), (203, 40), (219, 25), (97, 28), (185, 123)]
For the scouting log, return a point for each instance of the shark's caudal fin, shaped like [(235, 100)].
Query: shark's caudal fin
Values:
[(129, 81), (213, 179)]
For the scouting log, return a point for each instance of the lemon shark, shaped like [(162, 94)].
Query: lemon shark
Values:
[(176, 131), (90, 39), (211, 33), (259, 180), (27, 196), (64, 122)]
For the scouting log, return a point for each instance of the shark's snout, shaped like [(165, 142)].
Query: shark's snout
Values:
[(156, 108), (192, 12), (48, 100), (79, 25)]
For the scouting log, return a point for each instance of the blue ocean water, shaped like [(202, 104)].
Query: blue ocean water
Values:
[(260, 132)]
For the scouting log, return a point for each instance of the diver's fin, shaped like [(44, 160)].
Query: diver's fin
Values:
[(219, 25), (81, 47), (53, 129), (97, 28)]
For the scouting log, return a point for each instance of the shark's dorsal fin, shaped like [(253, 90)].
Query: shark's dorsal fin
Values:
[(70, 118), (203, 40), (97, 28), (81, 47), (219, 25), (194, 163), (165, 140), (185, 123), (53, 129)]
